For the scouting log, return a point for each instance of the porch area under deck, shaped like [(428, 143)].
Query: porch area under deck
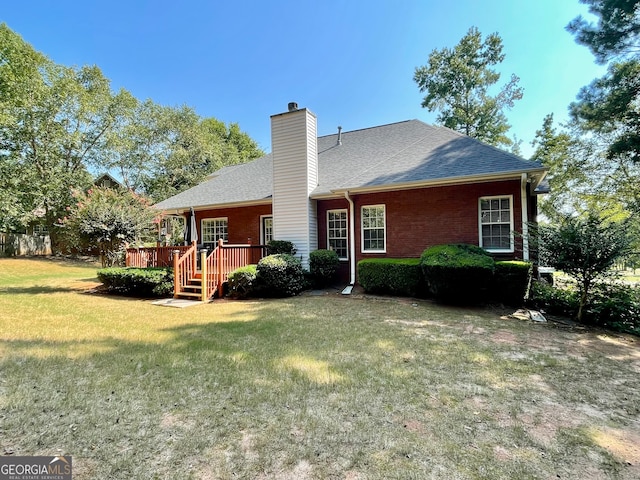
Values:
[(199, 274)]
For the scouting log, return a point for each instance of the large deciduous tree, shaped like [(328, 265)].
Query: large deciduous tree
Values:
[(457, 83), (59, 125), (56, 121), (162, 150)]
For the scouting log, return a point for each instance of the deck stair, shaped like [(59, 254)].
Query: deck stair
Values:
[(197, 275), (201, 275), (192, 289)]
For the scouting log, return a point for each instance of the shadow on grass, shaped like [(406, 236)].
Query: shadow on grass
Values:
[(302, 375), (37, 289)]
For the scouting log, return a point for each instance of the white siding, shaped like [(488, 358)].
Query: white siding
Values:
[(295, 175)]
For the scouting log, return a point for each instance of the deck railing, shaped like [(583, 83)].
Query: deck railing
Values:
[(185, 265), (153, 256), (223, 260)]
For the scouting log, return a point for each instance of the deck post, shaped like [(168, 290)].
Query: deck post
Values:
[(176, 274), (220, 259), (205, 275), (195, 256)]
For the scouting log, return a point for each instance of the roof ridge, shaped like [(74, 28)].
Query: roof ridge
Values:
[(369, 128)]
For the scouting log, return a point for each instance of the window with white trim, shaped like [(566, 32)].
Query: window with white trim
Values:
[(496, 223), (337, 233), (214, 229), (373, 229), (40, 229)]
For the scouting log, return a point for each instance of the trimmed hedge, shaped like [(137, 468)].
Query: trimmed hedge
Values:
[(511, 282), (458, 273), (137, 282), (276, 247), (323, 266), (280, 275), (242, 281), (393, 276)]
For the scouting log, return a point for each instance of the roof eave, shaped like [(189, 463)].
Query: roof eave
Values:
[(535, 175), (199, 208)]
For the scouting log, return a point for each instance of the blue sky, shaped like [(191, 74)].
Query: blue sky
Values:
[(350, 62)]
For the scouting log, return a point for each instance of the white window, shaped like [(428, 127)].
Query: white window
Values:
[(214, 229), (496, 223), (266, 229), (40, 229), (373, 229), (337, 232)]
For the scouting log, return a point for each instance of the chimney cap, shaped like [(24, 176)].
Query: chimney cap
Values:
[(293, 106)]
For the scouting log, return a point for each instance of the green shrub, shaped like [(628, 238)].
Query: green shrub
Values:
[(553, 300), (615, 306), (511, 282), (393, 276), (457, 273), (242, 281), (611, 305), (280, 275), (276, 247), (323, 266), (138, 282)]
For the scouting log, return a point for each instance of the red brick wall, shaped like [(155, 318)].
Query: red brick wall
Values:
[(417, 219), (243, 222)]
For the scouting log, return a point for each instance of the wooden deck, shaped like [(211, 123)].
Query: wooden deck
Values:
[(198, 275)]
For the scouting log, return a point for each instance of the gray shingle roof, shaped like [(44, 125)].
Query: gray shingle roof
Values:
[(395, 154)]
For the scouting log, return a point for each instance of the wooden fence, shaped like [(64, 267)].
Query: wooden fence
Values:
[(22, 244)]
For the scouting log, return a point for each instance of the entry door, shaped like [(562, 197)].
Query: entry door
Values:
[(266, 229)]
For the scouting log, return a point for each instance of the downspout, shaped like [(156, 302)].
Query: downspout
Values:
[(352, 241), (525, 217)]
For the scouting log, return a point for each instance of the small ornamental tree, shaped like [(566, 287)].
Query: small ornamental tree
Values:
[(585, 248), (106, 219)]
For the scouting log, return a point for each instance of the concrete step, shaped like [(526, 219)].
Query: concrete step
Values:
[(190, 294)]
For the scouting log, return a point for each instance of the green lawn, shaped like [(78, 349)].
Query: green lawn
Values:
[(309, 387)]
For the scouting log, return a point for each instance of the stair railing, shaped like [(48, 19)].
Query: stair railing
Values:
[(184, 268), (211, 274), (223, 260)]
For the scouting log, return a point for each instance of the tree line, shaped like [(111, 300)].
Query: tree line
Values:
[(593, 159), (60, 126), (593, 208)]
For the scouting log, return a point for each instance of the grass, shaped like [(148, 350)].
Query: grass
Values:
[(308, 387)]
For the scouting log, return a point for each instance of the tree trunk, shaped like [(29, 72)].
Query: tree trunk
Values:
[(584, 289)]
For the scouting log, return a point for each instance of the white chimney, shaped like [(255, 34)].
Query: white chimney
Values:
[(294, 145)]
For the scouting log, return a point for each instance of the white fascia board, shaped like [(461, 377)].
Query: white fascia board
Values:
[(251, 203), (516, 175)]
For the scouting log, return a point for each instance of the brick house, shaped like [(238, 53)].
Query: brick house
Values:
[(386, 191)]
